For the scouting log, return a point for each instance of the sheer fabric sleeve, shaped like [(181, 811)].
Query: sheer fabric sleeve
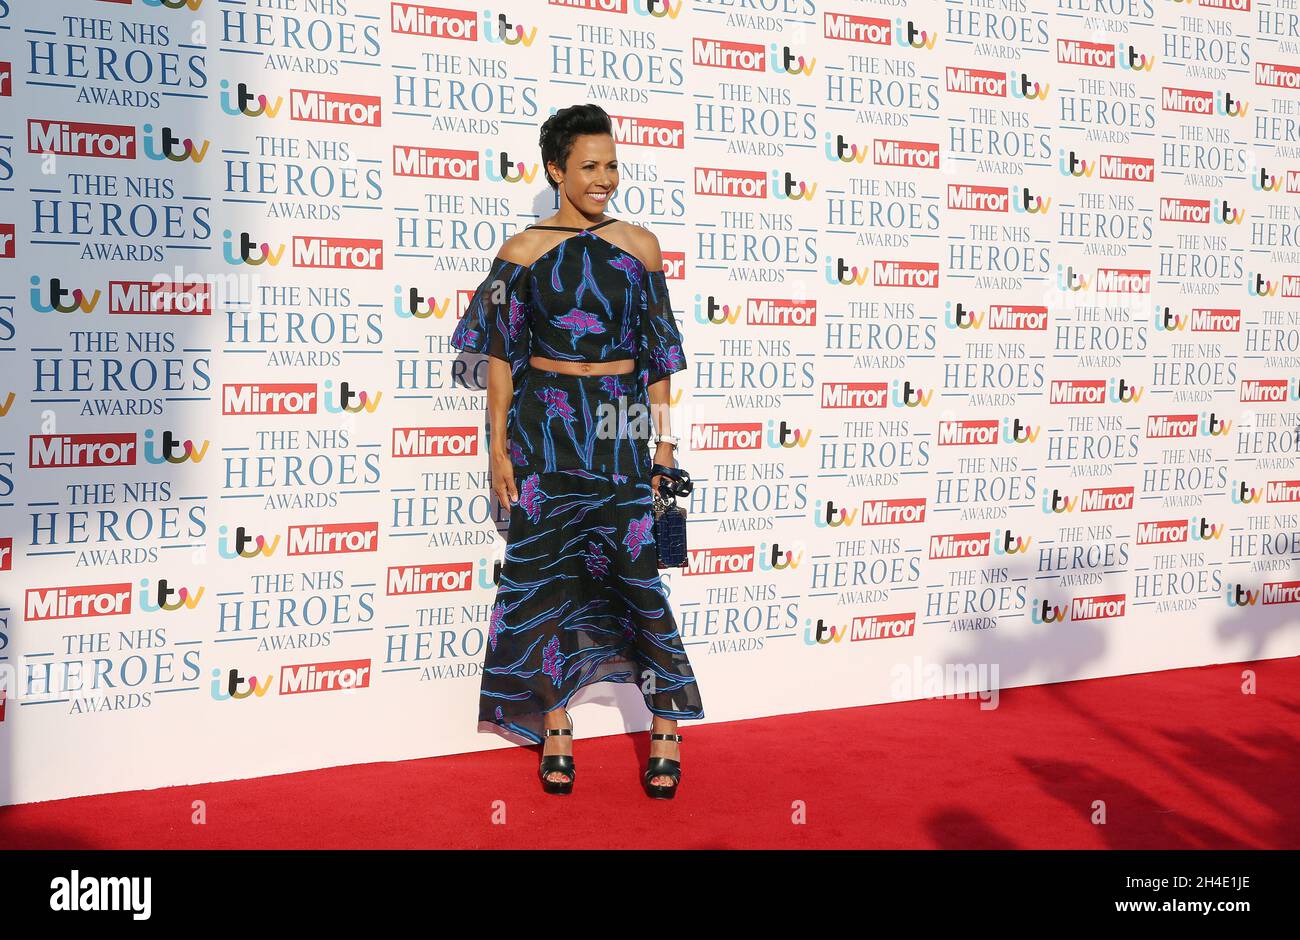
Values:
[(663, 338), (496, 320)]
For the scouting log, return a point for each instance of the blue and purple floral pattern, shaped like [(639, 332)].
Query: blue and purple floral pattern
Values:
[(640, 531), (494, 625), (553, 661), (531, 496), (557, 404), (579, 323), (597, 560)]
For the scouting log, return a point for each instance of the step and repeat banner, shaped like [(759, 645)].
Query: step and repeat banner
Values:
[(991, 314)]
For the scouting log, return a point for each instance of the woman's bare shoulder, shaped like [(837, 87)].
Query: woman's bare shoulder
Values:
[(646, 246), (523, 248)]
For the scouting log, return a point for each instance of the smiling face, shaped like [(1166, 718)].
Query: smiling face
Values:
[(592, 174)]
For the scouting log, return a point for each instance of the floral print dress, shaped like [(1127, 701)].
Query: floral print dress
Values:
[(579, 599)]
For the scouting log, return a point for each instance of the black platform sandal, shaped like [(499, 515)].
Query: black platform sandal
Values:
[(557, 764), (662, 767)]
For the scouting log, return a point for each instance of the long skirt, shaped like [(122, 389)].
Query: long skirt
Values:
[(580, 599)]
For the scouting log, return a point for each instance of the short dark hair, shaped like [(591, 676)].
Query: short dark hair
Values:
[(558, 131)]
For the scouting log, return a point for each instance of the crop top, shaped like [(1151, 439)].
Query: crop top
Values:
[(583, 300)]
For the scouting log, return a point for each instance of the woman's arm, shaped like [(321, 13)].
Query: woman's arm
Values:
[(500, 389), (660, 397), (517, 249), (660, 392)]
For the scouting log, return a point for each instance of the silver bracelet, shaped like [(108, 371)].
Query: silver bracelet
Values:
[(667, 439)]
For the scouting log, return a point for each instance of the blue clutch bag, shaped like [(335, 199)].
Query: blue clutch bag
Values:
[(670, 518)]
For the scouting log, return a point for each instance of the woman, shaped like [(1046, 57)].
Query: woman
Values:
[(580, 337)]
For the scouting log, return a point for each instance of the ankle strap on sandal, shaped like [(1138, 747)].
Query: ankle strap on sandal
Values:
[(657, 736), (556, 731)]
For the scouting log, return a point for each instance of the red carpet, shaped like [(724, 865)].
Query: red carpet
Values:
[(1181, 759)]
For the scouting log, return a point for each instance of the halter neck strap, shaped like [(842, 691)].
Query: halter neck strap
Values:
[(566, 228)]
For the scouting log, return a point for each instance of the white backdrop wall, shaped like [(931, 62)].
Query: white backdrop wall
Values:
[(990, 310)]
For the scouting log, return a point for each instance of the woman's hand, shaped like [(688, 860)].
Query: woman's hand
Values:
[(665, 454), (503, 480)]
